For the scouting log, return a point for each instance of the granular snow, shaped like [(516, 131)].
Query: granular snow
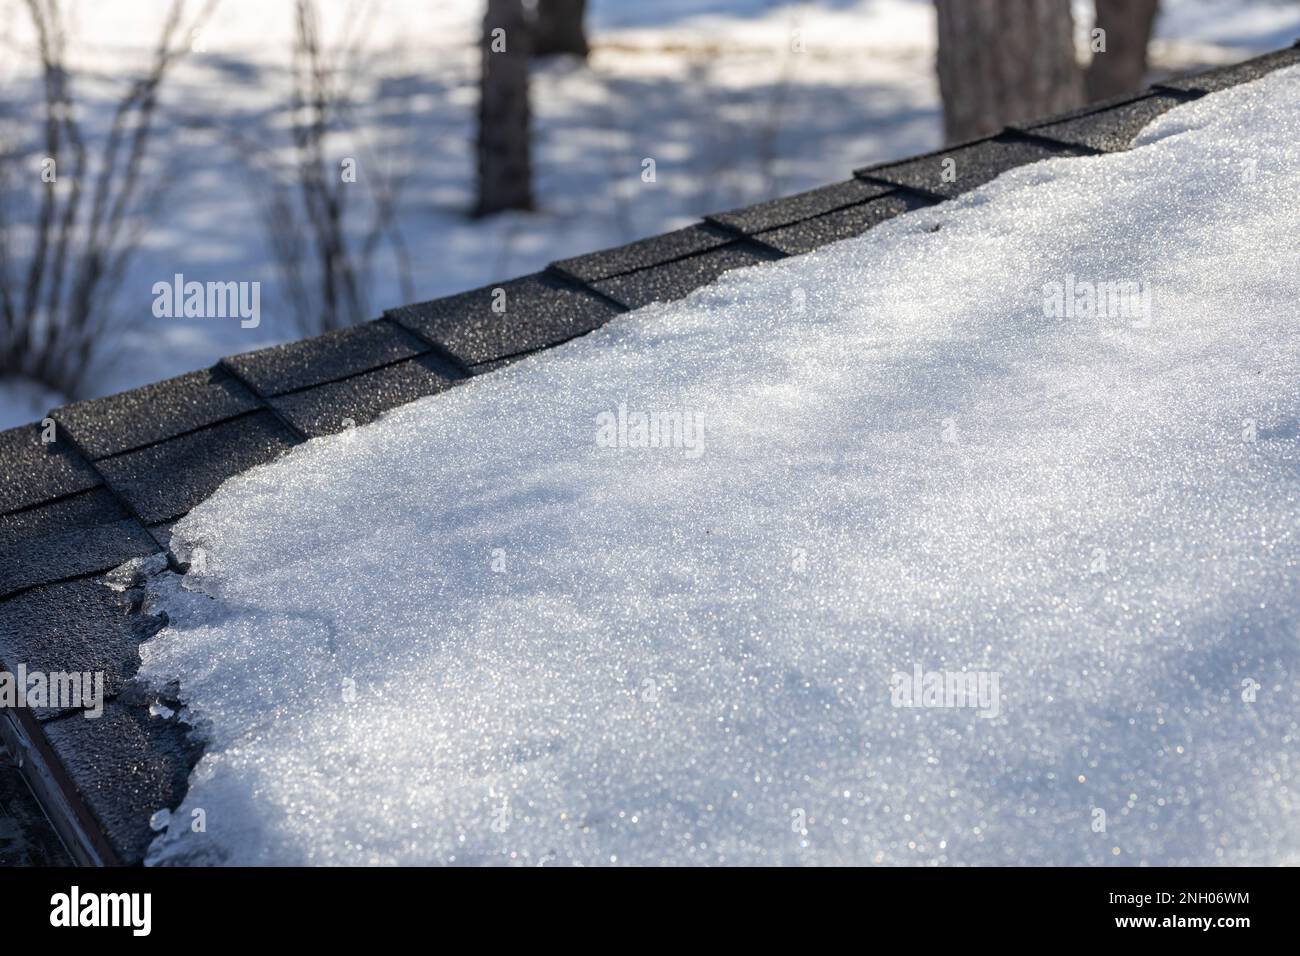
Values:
[(959, 574)]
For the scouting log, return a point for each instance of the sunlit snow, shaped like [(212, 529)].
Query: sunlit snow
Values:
[(490, 628)]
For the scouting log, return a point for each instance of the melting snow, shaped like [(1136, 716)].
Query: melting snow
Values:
[(499, 626)]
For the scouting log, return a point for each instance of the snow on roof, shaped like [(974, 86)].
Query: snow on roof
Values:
[(970, 540), (122, 470)]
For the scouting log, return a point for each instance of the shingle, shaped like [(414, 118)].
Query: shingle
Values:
[(327, 409), (166, 480), (683, 276), (539, 310), (800, 207), (324, 358), (1109, 129), (973, 165), (74, 626), (107, 426), (841, 224), (32, 472), (1220, 78), (124, 766), (644, 253), (85, 532)]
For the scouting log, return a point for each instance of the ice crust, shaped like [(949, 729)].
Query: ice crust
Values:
[(468, 633)]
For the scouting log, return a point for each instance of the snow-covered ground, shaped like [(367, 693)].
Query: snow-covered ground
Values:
[(492, 627), (710, 89)]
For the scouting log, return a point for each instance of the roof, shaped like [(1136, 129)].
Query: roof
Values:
[(103, 481)]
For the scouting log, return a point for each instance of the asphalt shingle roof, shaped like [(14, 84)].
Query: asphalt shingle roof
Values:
[(78, 625), (951, 172), (643, 253), (80, 534), (801, 207), (154, 413), (122, 469), (510, 318), (680, 277), (163, 481), (360, 399), (324, 358), (1106, 128), (34, 471), (797, 238)]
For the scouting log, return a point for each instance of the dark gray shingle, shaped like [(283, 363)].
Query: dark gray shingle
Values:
[(1107, 129), (324, 358), (79, 534), (798, 208), (539, 310), (32, 472), (844, 223), (644, 253), (80, 625), (973, 165), (326, 409), (673, 280), (166, 480), (118, 423)]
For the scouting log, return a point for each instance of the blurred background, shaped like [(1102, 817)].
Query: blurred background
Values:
[(354, 155)]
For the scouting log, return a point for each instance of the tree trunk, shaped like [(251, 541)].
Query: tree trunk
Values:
[(1003, 61), (559, 28), (1122, 67), (504, 165)]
